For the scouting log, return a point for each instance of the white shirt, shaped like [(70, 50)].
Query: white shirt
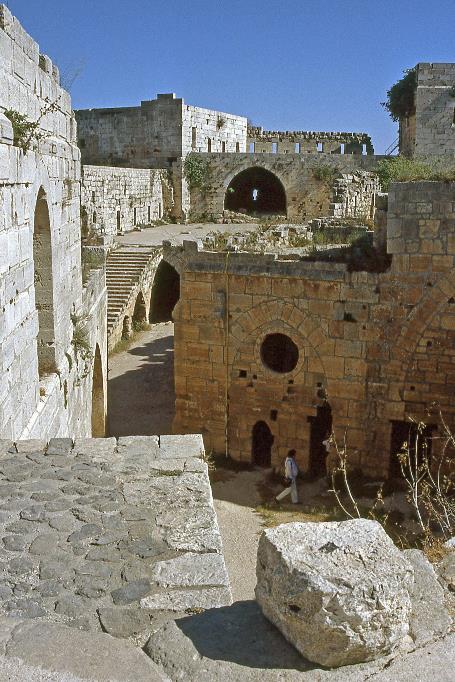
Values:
[(291, 469)]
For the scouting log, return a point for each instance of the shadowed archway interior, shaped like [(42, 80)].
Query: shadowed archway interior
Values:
[(165, 293), (261, 444), (256, 191)]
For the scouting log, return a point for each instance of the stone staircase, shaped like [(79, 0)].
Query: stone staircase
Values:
[(124, 270)]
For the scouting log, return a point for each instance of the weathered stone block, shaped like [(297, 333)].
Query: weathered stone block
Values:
[(338, 591)]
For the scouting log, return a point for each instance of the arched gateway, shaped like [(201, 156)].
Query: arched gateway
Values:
[(256, 191)]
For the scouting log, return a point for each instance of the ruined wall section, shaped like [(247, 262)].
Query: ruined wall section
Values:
[(41, 386), (435, 109), (353, 195), (380, 346), (308, 193), (260, 141), (118, 200)]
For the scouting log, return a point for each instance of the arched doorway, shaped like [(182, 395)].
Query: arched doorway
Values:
[(43, 278), (256, 191), (165, 293), (98, 413), (139, 313), (320, 429), (261, 444)]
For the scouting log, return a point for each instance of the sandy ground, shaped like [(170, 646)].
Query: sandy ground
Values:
[(140, 392), (235, 497), (154, 236)]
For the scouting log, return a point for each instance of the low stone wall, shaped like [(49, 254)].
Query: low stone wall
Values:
[(304, 141), (118, 200), (106, 535)]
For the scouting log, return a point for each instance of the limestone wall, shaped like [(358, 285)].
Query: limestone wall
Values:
[(378, 346), (43, 386), (117, 200), (308, 194), (155, 134), (261, 141), (431, 129)]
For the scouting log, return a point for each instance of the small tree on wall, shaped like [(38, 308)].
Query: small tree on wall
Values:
[(400, 102)]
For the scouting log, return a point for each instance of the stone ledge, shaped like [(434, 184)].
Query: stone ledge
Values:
[(106, 534)]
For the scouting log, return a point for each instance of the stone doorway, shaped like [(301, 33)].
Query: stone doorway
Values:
[(261, 444), (98, 408), (320, 429), (165, 293), (256, 191)]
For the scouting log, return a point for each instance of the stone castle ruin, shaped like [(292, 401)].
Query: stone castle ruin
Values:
[(275, 348)]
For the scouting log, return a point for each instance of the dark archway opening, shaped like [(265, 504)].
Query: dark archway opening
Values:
[(256, 191), (140, 313), (414, 443), (320, 430), (261, 444), (165, 293), (98, 412), (43, 280)]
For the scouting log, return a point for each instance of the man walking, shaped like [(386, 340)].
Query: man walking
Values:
[(291, 471)]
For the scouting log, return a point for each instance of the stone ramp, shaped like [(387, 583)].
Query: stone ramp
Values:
[(108, 535)]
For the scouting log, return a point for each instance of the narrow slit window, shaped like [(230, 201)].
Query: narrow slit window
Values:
[(274, 147), (297, 148), (209, 145), (252, 147), (320, 147)]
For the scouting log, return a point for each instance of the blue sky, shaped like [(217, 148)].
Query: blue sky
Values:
[(289, 65)]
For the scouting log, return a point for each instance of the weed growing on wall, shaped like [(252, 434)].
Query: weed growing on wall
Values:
[(325, 173), (81, 343), (26, 133), (196, 171), (220, 122)]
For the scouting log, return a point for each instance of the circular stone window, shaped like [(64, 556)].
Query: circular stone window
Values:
[(279, 353)]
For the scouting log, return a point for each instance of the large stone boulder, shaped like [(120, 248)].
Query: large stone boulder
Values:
[(339, 592)]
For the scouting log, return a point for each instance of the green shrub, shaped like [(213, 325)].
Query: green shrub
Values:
[(196, 171), (400, 101), (24, 131), (400, 169)]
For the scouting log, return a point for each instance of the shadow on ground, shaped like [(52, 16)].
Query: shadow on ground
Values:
[(141, 396), (237, 634)]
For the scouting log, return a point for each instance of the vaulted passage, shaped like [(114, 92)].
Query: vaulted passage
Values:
[(165, 293), (256, 191)]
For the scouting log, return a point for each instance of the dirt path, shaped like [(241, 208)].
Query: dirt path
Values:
[(235, 496), (140, 388)]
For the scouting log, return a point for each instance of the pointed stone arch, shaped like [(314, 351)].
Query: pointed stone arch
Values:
[(44, 285), (98, 401)]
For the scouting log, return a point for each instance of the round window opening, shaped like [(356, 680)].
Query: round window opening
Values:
[(279, 353)]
